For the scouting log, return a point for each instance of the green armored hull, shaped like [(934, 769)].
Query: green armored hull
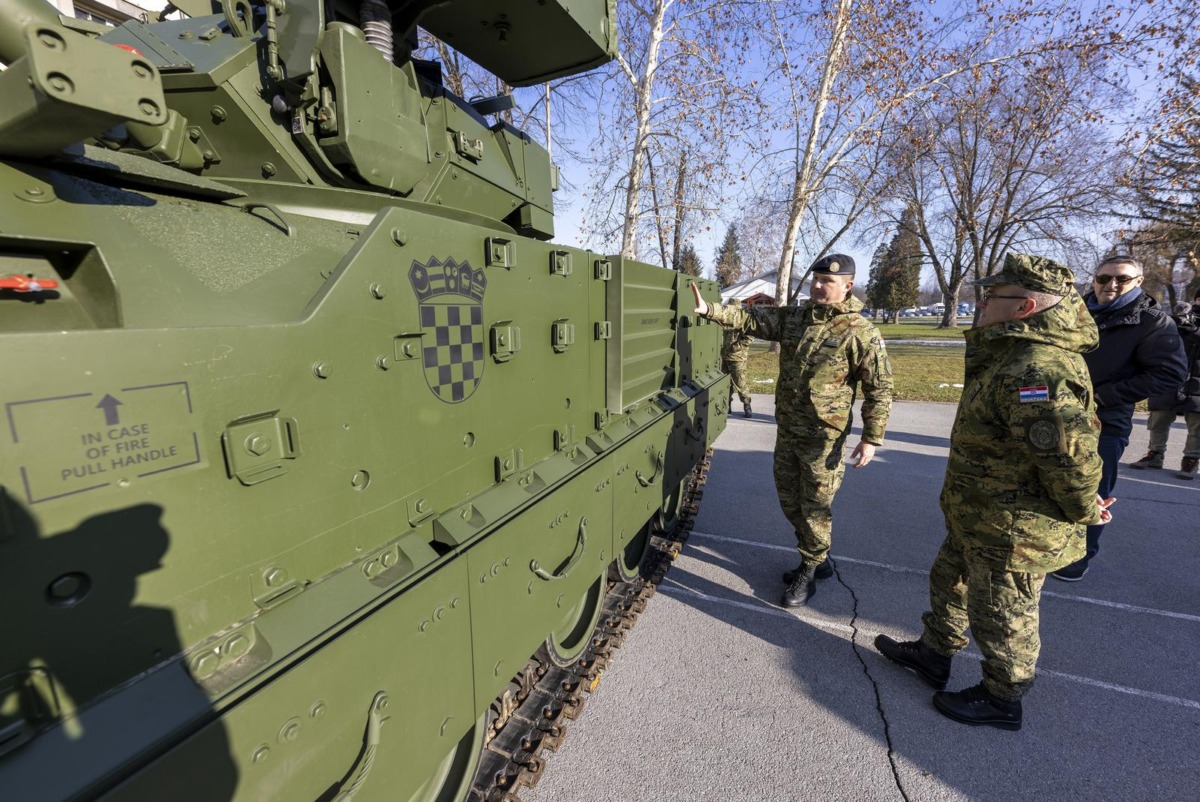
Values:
[(312, 440)]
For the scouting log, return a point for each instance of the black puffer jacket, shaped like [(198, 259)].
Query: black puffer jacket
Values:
[(1187, 397), (1140, 356)]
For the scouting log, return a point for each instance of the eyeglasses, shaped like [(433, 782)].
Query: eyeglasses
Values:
[(1104, 280)]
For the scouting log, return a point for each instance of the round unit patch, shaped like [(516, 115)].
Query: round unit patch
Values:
[(1043, 434)]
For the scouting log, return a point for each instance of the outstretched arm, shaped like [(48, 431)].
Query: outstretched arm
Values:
[(763, 322), (701, 304)]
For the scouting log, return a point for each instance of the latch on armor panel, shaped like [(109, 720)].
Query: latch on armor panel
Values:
[(28, 700), (499, 252), (505, 340), (564, 437), (603, 270), (560, 263), (223, 661), (562, 335), (419, 510), (467, 147), (257, 447), (603, 330), (508, 463), (272, 585), (407, 346), (458, 526)]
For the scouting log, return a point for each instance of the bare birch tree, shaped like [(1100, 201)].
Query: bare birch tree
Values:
[(666, 108), (866, 63)]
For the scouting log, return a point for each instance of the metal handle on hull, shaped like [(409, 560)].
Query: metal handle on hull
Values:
[(660, 465), (358, 775), (580, 550)]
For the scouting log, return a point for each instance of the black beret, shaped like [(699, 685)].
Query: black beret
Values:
[(835, 264)]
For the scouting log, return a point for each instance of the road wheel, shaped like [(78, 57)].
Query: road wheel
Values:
[(628, 564), (451, 782), (668, 514), (574, 631)]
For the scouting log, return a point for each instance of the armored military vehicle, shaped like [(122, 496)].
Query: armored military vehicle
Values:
[(318, 456)]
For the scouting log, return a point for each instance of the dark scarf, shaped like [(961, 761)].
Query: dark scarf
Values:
[(1094, 305)]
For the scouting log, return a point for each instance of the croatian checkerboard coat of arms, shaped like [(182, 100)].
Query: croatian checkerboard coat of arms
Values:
[(450, 301)]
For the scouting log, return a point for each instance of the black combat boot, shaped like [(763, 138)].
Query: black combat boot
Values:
[(930, 666), (1188, 468), (746, 408), (976, 706), (1152, 460), (802, 587), (824, 571)]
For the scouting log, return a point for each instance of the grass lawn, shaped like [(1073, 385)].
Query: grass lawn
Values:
[(921, 329), (918, 370)]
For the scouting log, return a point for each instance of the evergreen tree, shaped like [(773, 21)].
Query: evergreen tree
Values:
[(689, 261), (729, 259), (879, 283), (895, 279), (904, 259)]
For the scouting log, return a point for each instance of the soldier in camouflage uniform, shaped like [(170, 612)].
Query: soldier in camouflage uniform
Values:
[(828, 351), (1020, 488), (735, 353)]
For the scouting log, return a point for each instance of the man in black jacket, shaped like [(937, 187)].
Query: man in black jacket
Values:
[(1184, 401), (1140, 355)]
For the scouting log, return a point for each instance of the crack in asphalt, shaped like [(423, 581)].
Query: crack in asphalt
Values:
[(887, 732)]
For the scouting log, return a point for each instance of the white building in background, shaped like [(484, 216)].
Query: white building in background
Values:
[(108, 12), (765, 283)]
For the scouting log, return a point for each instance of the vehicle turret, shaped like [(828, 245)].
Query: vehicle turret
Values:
[(303, 91)]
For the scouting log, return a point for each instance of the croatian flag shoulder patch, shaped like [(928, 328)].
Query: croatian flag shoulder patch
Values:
[(1031, 394)]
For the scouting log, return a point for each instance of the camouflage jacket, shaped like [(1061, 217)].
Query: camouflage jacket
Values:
[(736, 345), (827, 351), (1023, 469)]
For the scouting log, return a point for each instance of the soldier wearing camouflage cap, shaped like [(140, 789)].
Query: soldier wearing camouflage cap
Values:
[(1020, 488), (828, 351)]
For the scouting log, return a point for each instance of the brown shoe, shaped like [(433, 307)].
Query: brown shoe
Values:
[(1152, 460), (1187, 469)]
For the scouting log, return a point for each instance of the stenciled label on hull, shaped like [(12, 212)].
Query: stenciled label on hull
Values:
[(79, 442), (450, 300)]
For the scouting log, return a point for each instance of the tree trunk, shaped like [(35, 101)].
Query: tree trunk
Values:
[(641, 141), (658, 221), (950, 299), (802, 187), (549, 141), (678, 235)]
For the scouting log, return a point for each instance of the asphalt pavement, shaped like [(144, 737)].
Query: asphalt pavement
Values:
[(719, 694)]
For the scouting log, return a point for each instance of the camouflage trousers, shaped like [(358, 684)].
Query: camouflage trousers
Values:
[(1000, 607), (736, 368), (808, 473)]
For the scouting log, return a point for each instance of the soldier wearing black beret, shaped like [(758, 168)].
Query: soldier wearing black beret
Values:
[(828, 351)]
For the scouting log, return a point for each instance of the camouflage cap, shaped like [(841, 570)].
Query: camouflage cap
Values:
[(835, 264), (1035, 273)]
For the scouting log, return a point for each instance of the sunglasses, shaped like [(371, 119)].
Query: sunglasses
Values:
[(1104, 280)]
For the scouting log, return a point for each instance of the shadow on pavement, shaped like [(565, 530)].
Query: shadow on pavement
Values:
[(1113, 715)]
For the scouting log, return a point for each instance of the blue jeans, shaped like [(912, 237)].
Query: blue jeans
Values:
[(1111, 448)]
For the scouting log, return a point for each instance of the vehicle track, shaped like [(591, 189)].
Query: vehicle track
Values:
[(530, 718)]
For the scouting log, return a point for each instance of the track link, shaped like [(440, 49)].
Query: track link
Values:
[(530, 718)]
